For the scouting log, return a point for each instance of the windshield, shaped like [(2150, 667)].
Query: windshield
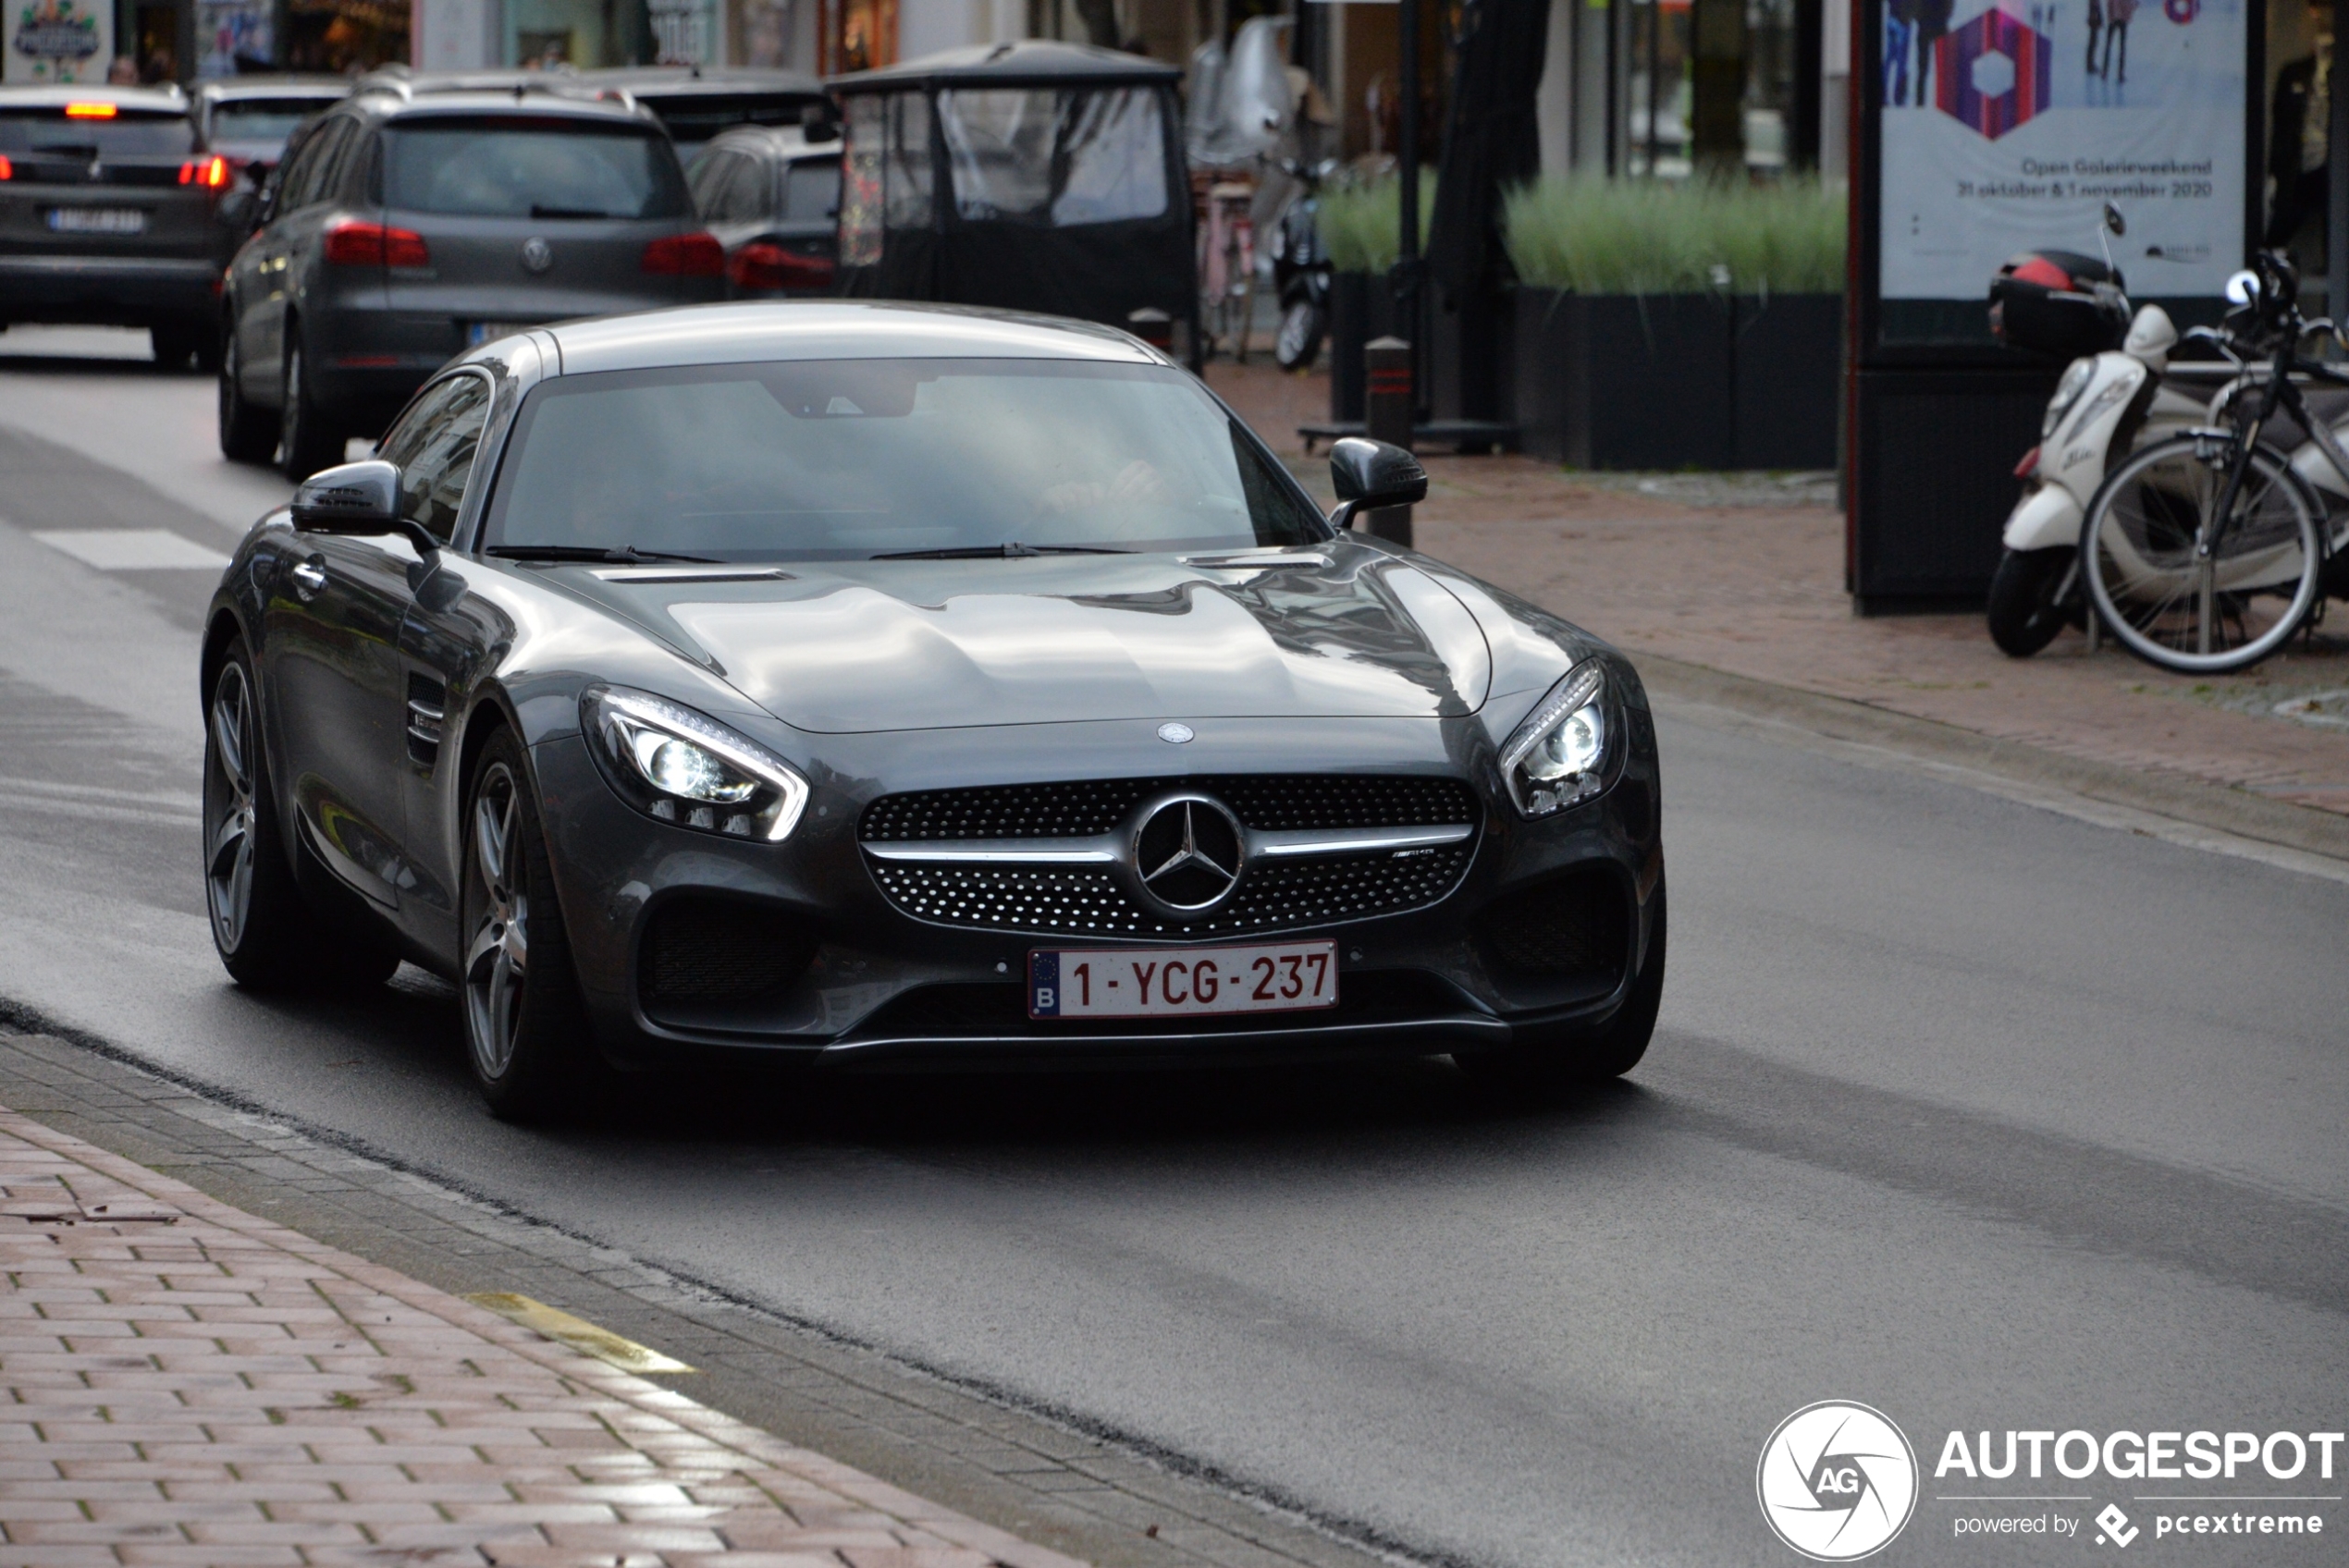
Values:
[(520, 168), (851, 458), (262, 119), (116, 136)]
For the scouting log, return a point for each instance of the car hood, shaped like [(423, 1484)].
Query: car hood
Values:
[(1338, 630)]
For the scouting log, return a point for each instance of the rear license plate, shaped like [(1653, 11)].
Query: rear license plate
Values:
[(97, 220), (480, 332), (1180, 982)]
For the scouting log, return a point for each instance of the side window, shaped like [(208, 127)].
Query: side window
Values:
[(320, 154), (294, 172), (750, 195), (433, 448)]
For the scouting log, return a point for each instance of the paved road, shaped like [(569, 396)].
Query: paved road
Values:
[(1983, 1115)]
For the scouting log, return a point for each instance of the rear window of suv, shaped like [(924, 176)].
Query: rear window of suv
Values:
[(514, 167), (120, 135)]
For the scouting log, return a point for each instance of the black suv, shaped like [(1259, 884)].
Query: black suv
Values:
[(406, 225), (109, 214)]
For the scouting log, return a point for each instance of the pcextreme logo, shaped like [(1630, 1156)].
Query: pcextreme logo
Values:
[(1838, 1481)]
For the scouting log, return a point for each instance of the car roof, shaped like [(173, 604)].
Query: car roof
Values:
[(756, 332), (432, 105), (241, 88), (1038, 61), (686, 81), (167, 99)]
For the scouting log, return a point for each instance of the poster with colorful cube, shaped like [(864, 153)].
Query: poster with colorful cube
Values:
[(2009, 127), (57, 40)]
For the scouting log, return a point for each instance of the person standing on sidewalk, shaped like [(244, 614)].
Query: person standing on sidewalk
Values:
[(2116, 35), (2095, 27)]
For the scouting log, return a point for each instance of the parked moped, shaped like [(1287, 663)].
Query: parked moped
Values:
[(2111, 397), (1301, 267)]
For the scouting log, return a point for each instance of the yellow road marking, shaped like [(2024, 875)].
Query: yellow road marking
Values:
[(577, 1333)]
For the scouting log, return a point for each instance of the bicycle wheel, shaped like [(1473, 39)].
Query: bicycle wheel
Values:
[(2168, 606)]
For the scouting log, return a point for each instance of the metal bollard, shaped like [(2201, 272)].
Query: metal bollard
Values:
[(1387, 409)]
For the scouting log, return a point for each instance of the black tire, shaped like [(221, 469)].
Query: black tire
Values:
[(1536, 1065), (525, 1029), (248, 435), (1299, 342), (176, 343), (2024, 615), (268, 936), (308, 437)]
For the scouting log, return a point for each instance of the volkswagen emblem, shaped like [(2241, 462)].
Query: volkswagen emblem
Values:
[(536, 255), (1186, 853)]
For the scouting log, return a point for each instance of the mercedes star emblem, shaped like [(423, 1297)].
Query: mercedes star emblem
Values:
[(1174, 734), (536, 255), (1187, 851)]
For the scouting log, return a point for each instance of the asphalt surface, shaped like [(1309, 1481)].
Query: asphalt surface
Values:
[(1985, 1116)]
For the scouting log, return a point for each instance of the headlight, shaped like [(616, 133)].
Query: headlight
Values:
[(680, 766), (1558, 756), (2075, 381)]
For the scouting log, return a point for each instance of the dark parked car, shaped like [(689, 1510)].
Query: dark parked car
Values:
[(698, 103), (246, 118), (109, 214), (404, 226), (865, 683), (772, 199)]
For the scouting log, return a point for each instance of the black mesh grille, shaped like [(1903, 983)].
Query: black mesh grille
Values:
[(1270, 802), (1274, 896), (1001, 1011), (1575, 926), (707, 949)]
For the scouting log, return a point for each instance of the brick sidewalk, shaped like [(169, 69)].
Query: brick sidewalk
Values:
[(1757, 591), (191, 1385)]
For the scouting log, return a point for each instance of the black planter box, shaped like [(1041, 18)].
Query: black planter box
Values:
[(1669, 380), (1789, 370), (1625, 380)]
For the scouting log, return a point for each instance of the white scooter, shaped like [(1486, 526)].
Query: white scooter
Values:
[(2036, 592)]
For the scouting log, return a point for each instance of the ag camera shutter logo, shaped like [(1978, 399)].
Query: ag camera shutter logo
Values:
[(1838, 1481)]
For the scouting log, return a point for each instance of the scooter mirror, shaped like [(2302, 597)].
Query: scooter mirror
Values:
[(2242, 289), (2114, 224)]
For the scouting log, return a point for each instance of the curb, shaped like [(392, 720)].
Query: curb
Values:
[(2174, 796)]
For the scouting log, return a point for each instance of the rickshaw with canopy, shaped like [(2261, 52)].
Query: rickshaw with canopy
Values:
[(1037, 176)]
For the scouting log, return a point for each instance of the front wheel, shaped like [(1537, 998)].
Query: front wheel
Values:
[(524, 1026), (2174, 603), (1299, 341), (2031, 597)]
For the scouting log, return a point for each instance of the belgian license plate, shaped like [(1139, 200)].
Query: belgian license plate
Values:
[(97, 220), (480, 332), (1180, 982)]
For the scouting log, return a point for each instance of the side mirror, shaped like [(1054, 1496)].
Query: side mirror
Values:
[(1371, 474), (360, 498)]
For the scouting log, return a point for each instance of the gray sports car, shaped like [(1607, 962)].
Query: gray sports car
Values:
[(871, 683)]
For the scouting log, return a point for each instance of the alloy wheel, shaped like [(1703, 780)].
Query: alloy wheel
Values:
[(228, 845), (498, 958)]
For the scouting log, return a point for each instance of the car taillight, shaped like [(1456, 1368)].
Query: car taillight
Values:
[(686, 255), (2029, 464), (373, 245), (211, 172), (763, 266), (7, 169)]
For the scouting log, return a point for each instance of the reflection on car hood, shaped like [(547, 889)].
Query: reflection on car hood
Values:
[(1338, 630)]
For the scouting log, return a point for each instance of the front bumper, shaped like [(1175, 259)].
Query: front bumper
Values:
[(108, 290), (870, 986)]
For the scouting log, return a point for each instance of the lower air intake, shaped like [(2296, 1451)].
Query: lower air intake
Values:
[(1575, 926), (700, 950)]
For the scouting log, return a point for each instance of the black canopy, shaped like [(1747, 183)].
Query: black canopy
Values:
[(1493, 142), (1084, 211)]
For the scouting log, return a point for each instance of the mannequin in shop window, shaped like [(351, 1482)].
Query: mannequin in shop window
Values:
[(2297, 153)]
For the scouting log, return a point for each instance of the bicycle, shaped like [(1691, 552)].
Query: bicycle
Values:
[(2203, 554), (1227, 266)]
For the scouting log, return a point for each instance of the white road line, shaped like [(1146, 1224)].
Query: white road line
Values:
[(132, 550)]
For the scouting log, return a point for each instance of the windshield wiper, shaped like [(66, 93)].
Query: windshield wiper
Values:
[(1015, 550), (591, 553), (540, 209)]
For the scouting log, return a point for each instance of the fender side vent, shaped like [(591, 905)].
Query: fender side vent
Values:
[(427, 708)]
